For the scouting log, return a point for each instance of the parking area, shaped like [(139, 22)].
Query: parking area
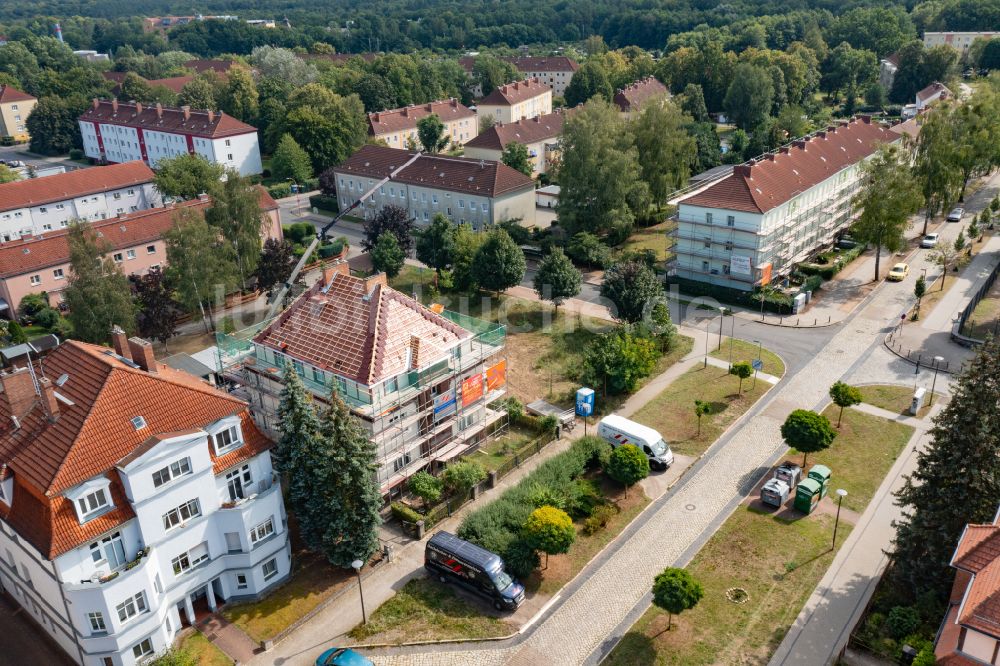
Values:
[(23, 642)]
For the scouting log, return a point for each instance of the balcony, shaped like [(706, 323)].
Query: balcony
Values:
[(122, 574)]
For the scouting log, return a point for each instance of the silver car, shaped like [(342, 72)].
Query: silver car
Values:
[(956, 214), (930, 240)]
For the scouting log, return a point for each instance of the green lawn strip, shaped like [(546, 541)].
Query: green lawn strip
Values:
[(650, 238), (859, 458), (202, 651), (425, 609), (672, 412), (747, 351), (778, 563), (894, 398), (495, 453), (313, 581)]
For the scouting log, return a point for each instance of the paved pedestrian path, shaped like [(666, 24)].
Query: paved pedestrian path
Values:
[(228, 638), (963, 288)]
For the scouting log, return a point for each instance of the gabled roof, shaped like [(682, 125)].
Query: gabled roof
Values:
[(529, 63), (892, 59), (932, 90), (978, 553), (361, 329), (514, 93), (12, 94), (759, 186), (202, 123), (631, 97), (527, 130), (395, 120), (72, 184), (457, 174)]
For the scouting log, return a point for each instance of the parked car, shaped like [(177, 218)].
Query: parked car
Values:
[(956, 214), (618, 430), (899, 272), (342, 657), (930, 240), (16, 164), (451, 559)]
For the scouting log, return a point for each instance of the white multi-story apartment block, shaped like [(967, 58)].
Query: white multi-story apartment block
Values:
[(134, 499), (514, 101), (540, 135), (467, 191), (118, 132), (556, 71), (35, 206), (398, 127), (754, 225), (418, 379), (960, 41)]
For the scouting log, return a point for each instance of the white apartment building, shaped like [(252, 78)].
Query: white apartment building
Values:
[(134, 499), (556, 71), (753, 226), (960, 41), (514, 101), (116, 132), (540, 135), (467, 191), (398, 127), (35, 206)]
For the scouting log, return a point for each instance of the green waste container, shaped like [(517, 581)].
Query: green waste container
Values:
[(822, 474), (807, 495)]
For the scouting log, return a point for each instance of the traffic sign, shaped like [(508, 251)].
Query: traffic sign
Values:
[(757, 364)]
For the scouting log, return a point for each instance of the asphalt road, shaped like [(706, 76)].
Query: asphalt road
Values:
[(10, 153)]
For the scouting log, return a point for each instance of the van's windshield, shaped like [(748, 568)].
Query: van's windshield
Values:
[(502, 580), (660, 448)]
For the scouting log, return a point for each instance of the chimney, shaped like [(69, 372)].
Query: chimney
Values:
[(211, 116), (339, 266), (50, 404), (375, 117), (97, 103), (159, 110), (799, 143), (114, 105), (742, 170), (142, 354), (373, 280), (186, 110), (138, 108), (19, 389), (120, 342), (414, 352)]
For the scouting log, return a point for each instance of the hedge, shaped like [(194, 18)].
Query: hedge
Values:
[(405, 513), (324, 202), (775, 302), (76, 154), (280, 191)]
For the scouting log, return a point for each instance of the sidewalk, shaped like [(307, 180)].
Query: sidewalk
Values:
[(823, 627)]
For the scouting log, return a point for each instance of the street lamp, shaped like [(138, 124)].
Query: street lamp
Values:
[(732, 336), (357, 564), (937, 364), (722, 319), (841, 494)]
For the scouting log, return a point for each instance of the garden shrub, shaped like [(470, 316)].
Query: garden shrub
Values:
[(299, 233), (902, 621), (280, 191), (584, 496), (76, 154), (404, 513), (812, 283), (599, 519), (324, 202), (541, 496), (47, 318)]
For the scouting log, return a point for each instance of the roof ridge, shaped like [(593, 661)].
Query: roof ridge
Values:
[(376, 360)]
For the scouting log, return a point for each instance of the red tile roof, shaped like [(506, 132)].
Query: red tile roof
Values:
[(72, 184), (933, 89), (527, 64), (94, 433), (758, 187), (978, 554), (395, 120), (173, 83), (527, 130), (632, 96), (209, 124), (217, 66), (515, 93), (361, 329), (12, 94), (457, 174)]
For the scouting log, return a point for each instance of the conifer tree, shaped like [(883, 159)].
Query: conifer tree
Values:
[(957, 480), (298, 425)]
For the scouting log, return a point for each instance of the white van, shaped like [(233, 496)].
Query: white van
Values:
[(617, 430)]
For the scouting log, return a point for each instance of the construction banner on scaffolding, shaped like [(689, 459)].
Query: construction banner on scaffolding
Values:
[(472, 389), (444, 404), (496, 376)]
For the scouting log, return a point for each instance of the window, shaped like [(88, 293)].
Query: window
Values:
[(13, 107), (731, 220), (92, 502), (401, 462), (300, 369), (318, 376), (708, 244), (229, 157), (150, 249), (43, 209), (270, 569), (708, 218), (110, 549), (117, 195), (228, 142), (227, 439), (485, 207), (58, 274), (186, 511), (131, 192), (241, 581), (143, 649), (186, 561), (434, 198), (130, 254), (118, 257), (704, 266), (131, 607), (46, 227), (262, 531), (171, 471), (96, 620), (34, 279), (238, 483)]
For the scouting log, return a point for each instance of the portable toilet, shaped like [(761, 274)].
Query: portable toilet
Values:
[(789, 472), (774, 492), (821, 473), (807, 495)]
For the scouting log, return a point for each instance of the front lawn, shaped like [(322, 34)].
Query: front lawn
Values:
[(651, 238), (202, 651), (747, 351), (495, 453), (672, 412), (895, 398), (425, 609)]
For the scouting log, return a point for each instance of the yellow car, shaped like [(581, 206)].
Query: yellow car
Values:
[(899, 272)]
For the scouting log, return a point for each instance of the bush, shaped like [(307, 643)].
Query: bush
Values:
[(583, 498), (812, 283), (586, 248), (47, 318), (902, 621), (520, 559), (776, 302), (324, 202), (299, 233), (514, 407), (76, 154), (331, 249), (462, 476), (280, 191), (404, 513), (600, 518), (520, 235)]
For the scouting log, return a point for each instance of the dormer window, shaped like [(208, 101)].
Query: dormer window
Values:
[(227, 439), (91, 499), (92, 503)]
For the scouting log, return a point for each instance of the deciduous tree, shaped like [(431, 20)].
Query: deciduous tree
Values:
[(459, 477), (701, 408), (431, 132), (394, 219), (749, 96), (387, 256), (186, 176), (935, 163), (436, 243), (499, 263), (617, 360), (632, 287), (241, 99), (743, 370), (98, 294), (590, 80), (426, 486), (290, 161), (157, 311), (675, 591), (549, 530), (236, 212), (515, 155), (844, 395), (667, 149), (628, 465), (277, 260), (199, 94), (807, 432), (557, 278), (53, 125)]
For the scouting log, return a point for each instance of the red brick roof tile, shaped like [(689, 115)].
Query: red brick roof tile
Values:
[(12, 94), (202, 123), (635, 94), (72, 184), (978, 553), (395, 120), (515, 93), (527, 130)]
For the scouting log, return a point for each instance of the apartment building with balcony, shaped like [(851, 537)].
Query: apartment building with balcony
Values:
[(398, 127), (467, 191), (754, 225), (134, 499), (513, 101), (419, 379), (35, 206)]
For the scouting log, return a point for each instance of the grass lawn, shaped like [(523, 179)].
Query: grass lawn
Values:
[(894, 398), (496, 452), (747, 351), (778, 563), (672, 412), (650, 238), (427, 610), (203, 651)]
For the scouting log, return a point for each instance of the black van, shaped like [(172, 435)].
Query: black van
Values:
[(449, 558)]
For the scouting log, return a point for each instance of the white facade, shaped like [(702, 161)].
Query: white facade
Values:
[(122, 143), (40, 219), (541, 153), (197, 538), (539, 105), (960, 41)]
